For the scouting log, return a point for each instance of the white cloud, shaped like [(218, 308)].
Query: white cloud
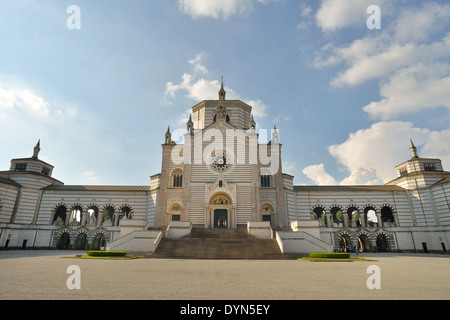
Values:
[(411, 60), (412, 89), (362, 176), (197, 63), (18, 103), (318, 174), (289, 166), (70, 140), (337, 14), (199, 88), (366, 66), (416, 24), (90, 177), (216, 9), (437, 145), (369, 156), (403, 43), (259, 109), (22, 100), (377, 149)]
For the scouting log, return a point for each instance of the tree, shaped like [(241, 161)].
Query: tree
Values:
[(339, 216)]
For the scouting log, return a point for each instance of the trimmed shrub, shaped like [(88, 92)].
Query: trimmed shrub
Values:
[(330, 255), (106, 253)]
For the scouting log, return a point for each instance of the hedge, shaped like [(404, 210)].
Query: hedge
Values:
[(330, 255), (106, 253)]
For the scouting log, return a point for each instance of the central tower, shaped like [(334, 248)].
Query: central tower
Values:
[(214, 179)]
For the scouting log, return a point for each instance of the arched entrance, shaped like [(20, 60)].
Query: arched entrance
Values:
[(59, 219), (387, 217), (345, 243), (64, 241), (220, 218), (383, 242), (220, 211), (364, 243), (81, 241), (99, 241)]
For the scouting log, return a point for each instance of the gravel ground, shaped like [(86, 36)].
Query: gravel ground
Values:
[(43, 275)]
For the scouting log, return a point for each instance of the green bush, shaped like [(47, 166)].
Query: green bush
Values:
[(106, 253), (330, 255)]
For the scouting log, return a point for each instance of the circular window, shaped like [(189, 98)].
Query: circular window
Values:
[(220, 162)]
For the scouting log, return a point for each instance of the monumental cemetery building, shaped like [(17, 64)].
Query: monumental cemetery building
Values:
[(226, 176)]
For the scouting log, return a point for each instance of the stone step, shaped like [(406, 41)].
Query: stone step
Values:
[(218, 244)]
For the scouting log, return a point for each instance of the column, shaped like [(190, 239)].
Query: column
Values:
[(380, 223), (346, 225), (329, 219), (84, 214), (116, 218)]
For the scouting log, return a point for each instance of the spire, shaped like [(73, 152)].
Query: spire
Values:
[(413, 149), (37, 148), (275, 137), (252, 123), (168, 136), (222, 91), (190, 124)]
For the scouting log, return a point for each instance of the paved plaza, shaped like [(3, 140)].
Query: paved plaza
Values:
[(34, 274)]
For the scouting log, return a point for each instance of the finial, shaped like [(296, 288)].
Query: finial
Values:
[(37, 148), (275, 138), (190, 125), (252, 123), (168, 136), (222, 91), (413, 149)]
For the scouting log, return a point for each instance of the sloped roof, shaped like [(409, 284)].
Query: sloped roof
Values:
[(97, 188), (421, 173), (338, 188), (9, 181), (31, 159), (445, 180)]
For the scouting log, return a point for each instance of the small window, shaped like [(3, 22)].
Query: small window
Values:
[(177, 178), (265, 181), (21, 167), (45, 171), (177, 181), (176, 217)]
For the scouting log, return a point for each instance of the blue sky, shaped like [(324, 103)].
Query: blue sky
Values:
[(345, 98)]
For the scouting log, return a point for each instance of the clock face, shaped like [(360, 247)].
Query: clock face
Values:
[(219, 162)]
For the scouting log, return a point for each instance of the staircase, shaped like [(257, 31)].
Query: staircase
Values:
[(218, 244)]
